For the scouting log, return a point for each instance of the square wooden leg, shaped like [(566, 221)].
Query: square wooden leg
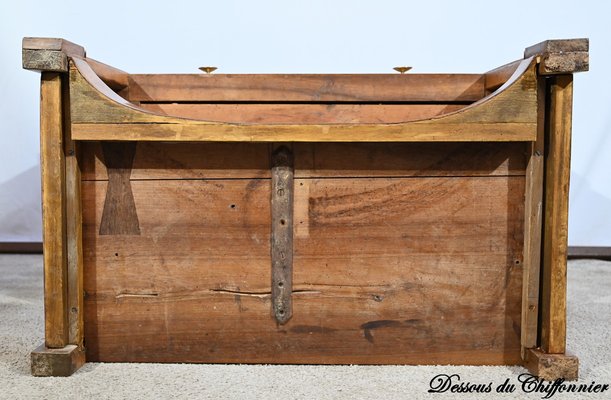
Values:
[(57, 362), (551, 366)]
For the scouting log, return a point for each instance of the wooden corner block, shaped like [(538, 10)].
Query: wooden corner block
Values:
[(551, 366), (48, 54), (564, 56), (57, 362)]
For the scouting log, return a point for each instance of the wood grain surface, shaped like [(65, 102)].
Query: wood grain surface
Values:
[(397, 269), (52, 167), (555, 234), (335, 88)]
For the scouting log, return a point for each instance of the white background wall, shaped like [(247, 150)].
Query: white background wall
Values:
[(308, 36)]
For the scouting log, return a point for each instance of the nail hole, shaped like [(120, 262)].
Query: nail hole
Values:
[(280, 284), (301, 184), (232, 206), (517, 262), (281, 311), (116, 254), (282, 222), (74, 310)]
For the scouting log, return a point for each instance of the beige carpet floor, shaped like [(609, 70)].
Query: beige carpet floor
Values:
[(21, 330)]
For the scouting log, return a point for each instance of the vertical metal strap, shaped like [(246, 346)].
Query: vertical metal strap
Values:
[(282, 233)]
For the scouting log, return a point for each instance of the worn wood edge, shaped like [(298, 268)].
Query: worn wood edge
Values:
[(561, 56), (552, 366), (56, 362), (44, 60), (552, 64), (48, 54), (87, 85), (558, 46)]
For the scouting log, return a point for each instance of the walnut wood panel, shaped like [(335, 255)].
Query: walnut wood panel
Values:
[(303, 113), (249, 160), (387, 270), (307, 87)]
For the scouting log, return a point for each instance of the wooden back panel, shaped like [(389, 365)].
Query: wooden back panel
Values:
[(404, 254)]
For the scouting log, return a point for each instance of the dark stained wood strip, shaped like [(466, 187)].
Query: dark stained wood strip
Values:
[(439, 88), (282, 233), (120, 216)]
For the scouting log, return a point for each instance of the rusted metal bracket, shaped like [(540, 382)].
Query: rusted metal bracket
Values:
[(282, 233)]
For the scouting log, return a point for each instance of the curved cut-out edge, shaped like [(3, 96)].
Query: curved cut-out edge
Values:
[(518, 73), (105, 93)]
